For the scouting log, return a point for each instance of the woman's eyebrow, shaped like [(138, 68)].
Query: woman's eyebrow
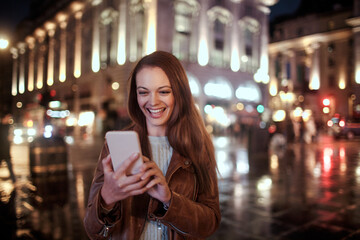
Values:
[(141, 87), (166, 86)]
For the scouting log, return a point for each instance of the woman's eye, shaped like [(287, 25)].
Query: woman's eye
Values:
[(142, 93), (165, 92)]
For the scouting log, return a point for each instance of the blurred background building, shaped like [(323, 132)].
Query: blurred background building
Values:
[(72, 60), (314, 62)]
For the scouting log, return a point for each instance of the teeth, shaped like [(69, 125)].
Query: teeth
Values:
[(155, 111)]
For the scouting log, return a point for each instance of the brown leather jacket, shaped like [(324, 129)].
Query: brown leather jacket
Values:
[(191, 214)]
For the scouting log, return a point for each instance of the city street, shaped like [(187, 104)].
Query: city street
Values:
[(301, 191)]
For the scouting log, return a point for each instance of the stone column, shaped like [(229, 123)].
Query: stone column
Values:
[(194, 37), (314, 81), (31, 44), (21, 47), (121, 48), (203, 49), (241, 37), (40, 36), (78, 42), (234, 50), (62, 56), (150, 27), (50, 27), (264, 41), (95, 58), (228, 39), (15, 55), (292, 80)]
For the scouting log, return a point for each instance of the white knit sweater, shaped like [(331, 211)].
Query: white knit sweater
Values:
[(161, 155)]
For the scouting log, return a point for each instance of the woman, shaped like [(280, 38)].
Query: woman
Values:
[(175, 195)]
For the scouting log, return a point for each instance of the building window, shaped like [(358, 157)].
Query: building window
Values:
[(184, 14), (332, 82), (248, 43), (279, 34), (220, 19), (137, 30), (331, 47), (331, 62), (219, 32), (251, 34), (331, 25)]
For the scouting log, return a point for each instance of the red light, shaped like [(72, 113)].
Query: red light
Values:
[(326, 102), (52, 93), (272, 129), (330, 123), (39, 96), (342, 123)]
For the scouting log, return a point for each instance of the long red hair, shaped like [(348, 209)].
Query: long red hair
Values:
[(185, 129)]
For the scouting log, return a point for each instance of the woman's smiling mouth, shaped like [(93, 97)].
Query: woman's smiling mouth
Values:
[(156, 112)]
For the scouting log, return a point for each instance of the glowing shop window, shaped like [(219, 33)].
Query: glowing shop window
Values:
[(248, 92), (218, 88)]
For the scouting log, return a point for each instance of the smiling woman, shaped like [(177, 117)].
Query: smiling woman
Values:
[(175, 195)]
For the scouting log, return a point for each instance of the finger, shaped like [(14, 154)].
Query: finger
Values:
[(135, 186), (149, 165), (152, 172), (127, 163), (106, 162), (145, 159), (138, 191), (153, 183)]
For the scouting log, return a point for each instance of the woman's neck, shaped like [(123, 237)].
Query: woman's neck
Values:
[(157, 132)]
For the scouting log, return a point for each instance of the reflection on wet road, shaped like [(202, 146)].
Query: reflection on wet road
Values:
[(303, 191)]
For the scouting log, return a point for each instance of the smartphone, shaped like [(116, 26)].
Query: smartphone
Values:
[(122, 144)]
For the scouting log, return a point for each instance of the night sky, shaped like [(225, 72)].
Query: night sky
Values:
[(284, 7), (13, 11)]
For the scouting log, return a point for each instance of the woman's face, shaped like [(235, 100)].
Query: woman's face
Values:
[(155, 99)]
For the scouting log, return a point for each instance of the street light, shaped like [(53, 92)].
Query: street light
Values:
[(4, 43)]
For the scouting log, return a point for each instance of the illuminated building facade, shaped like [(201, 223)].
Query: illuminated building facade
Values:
[(86, 49), (314, 60)]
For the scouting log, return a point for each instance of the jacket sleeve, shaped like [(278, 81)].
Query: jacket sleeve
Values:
[(97, 224), (197, 218)]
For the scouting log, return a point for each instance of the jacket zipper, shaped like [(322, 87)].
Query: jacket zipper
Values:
[(178, 230), (105, 231)]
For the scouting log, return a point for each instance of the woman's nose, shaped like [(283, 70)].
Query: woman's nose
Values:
[(154, 99)]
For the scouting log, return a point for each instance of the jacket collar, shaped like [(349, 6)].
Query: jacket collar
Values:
[(177, 161)]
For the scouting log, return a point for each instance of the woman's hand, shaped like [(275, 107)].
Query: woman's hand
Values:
[(157, 185), (117, 185)]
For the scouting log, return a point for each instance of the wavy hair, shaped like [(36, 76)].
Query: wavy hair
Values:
[(185, 129)]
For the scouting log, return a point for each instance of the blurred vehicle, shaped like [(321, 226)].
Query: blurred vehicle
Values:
[(333, 125), (340, 127), (350, 129), (21, 134)]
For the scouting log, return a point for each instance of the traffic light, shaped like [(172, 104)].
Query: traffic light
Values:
[(326, 105), (45, 98)]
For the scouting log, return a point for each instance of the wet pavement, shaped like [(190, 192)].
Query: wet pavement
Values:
[(302, 191)]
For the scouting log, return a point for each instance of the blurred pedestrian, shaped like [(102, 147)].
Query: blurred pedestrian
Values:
[(175, 194), (5, 144), (310, 130)]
